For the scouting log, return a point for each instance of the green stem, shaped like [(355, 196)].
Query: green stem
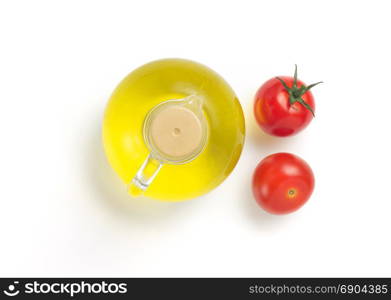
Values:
[(296, 93)]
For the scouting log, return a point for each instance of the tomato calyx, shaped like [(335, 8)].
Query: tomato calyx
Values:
[(296, 93)]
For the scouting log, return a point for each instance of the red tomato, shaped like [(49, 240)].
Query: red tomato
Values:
[(282, 183), (284, 105)]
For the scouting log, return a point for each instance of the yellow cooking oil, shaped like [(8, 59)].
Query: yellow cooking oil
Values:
[(169, 79)]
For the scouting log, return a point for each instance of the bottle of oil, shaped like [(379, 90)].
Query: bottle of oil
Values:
[(173, 130)]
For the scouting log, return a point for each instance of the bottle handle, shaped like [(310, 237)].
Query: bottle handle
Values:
[(144, 176)]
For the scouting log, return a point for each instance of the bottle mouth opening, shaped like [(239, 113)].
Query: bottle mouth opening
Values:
[(176, 130)]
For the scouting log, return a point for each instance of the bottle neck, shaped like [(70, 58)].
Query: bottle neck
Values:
[(175, 130)]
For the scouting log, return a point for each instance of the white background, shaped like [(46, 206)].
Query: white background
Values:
[(63, 211)]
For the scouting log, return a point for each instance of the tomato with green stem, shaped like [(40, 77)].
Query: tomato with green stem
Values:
[(284, 105)]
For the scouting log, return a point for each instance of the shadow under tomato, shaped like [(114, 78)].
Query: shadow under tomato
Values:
[(256, 216)]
